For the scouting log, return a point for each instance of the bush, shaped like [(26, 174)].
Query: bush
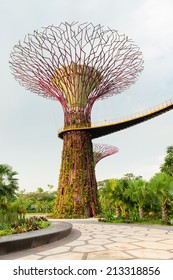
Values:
[(24, 225)]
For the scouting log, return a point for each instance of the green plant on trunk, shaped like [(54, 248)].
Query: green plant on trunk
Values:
[(77, 192)]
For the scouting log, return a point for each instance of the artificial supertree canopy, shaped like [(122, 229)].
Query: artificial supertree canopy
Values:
[(76, 63), (103, 150)]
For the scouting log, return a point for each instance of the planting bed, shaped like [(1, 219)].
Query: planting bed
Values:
[(27, 240)]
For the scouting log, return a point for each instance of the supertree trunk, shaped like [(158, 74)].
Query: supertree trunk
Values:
[(77, 191)]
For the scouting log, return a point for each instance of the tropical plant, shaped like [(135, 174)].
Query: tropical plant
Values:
[(161, 191), (8, 181), (111, 196), (106, 189), (40, 202), (25, 225), (167, 166), (136, 192)]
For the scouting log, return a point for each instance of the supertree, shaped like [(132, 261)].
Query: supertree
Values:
[(76, 64), (103, 150)]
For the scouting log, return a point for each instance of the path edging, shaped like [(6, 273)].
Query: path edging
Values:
[(28, 240)]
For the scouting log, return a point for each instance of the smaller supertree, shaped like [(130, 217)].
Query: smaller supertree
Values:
[(102, 151)]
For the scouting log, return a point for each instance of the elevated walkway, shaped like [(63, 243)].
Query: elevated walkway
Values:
[(104, 128)]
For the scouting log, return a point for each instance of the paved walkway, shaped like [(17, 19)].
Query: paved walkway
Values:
[(91, 240)]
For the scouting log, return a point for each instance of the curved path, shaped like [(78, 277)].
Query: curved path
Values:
[(91, 240)]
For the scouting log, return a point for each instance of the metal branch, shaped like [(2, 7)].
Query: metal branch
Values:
[(111, 59), (103, 150)]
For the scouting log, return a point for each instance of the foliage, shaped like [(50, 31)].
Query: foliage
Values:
[(77, 191), (167, 166), (25, 225), (161, 191), (130, 220), (8, 182), (109, 217), (137, 193), (136, 200), (129, 199), (37, 202)]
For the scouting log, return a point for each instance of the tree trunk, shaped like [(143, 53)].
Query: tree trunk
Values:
[(141, 212), (77, 191), (164, 212), (118, 211)]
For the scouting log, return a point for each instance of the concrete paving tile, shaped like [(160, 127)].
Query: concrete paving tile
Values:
[(150, 254), (166, 236), (147, 238), (109, 255), (66, 256), (158, 232), (99, 241), (119, 233), (75, 243), (124, 239), (121, 246), (154, 245), (138, 233), (29, 257), (102, 236), (57, 250), (88, 248), (106, 232), (167, 241), (84, 238)]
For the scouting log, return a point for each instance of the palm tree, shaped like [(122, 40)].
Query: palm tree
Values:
[(8, 187), (106, 189), (8, 182), (161, 188), (136, 192), (111, 195)]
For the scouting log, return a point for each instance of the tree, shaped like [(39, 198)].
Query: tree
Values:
[(167, 166), (112, 195), (136, 191), (37, 201), (8, 182), (129, 176), (106, 194), (40, 190), (161, 188)]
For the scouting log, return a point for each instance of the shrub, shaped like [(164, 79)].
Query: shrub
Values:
[(24, 225)]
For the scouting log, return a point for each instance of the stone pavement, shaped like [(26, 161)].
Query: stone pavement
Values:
[(92, 240)]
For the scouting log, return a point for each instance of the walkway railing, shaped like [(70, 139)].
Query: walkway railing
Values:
[(146, 112)]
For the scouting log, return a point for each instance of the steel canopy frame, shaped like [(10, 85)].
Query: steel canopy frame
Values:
[(103, 150)]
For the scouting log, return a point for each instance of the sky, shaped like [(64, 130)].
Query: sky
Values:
[(29, 123)]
